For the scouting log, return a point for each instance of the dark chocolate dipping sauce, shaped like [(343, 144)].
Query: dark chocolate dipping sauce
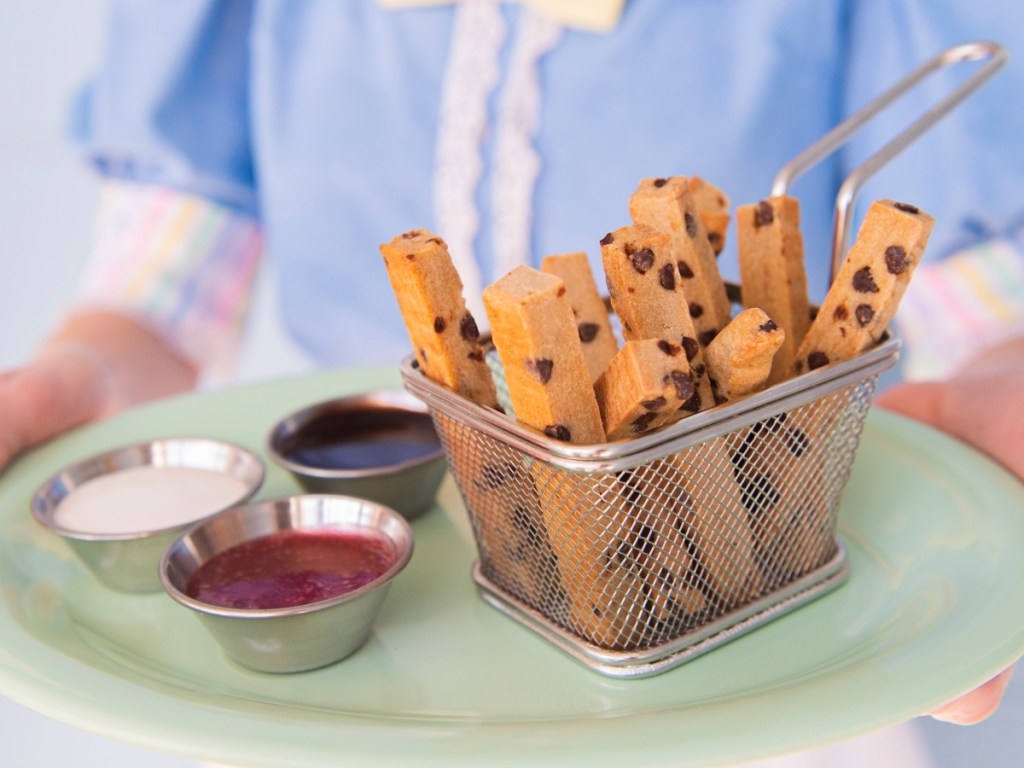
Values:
[(362, 439), (292, 567)]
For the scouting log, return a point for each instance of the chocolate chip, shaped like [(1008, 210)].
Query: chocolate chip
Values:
[(863, 282), (907, 208), (587, 331), (410, 256), (692, 405), (476, 355), (691, 224), (696, 310), (768, 326), (561, 291), (685, 388), (716, 240), (628, 328), (772, 425), (493, 476), (667, 277), (522, 521), (757, 493), (435, 241), (558, 431), (896, 260), (698, 370), (468, 329), (669, 349), (439, 325), (666, 578), (541, 367), (411, 234), (629, 490), (684, 270), (642, 260), (706, 337), (423, 355), (797, 442), (816, 360), (646, 538), (608, 239), (643, 422), (841, 313), (660, 183), (864, 314), (654, 405), (763, 214), (690, 345)]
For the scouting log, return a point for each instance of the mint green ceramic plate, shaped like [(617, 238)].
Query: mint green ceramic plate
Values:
[(934, 606)]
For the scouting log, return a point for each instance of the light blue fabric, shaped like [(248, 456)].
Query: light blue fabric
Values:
[(321, 116)]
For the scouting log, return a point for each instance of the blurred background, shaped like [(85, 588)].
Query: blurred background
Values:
[(46, 201)]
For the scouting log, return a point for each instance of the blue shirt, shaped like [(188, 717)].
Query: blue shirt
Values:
[(320, 117)]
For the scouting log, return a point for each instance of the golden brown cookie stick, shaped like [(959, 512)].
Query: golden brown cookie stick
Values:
[(535, 333), (593, 533), (667, 206), (713, 208), (595, 331), (641, 388), (783, 467), (771, 255), (740, 358), (708, 511), (648, 299), (869, 286), (444, 334), (497, 487)]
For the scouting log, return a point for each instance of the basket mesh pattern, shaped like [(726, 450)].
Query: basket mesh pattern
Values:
[(631, 559)]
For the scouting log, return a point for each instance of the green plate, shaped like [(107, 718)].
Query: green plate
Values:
[(934, 606)]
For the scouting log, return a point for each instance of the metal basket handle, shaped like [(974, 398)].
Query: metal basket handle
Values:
[(839, 135)]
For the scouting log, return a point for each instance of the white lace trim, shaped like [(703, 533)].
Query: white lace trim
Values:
[(517, 164), (471, 74)]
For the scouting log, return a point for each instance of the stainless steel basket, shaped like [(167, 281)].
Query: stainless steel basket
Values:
[(637, 555)]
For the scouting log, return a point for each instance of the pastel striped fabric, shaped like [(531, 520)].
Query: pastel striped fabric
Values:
[(957, 307), (180, 264)]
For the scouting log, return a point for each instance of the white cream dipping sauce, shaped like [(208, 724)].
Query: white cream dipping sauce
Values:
[(146, 499)]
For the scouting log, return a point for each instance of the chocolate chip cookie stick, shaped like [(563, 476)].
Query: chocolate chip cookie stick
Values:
[(641, 388), (595, 534), (667, 206), (713, 209), (740, 358), (642, 277), (444, 334), (595, 330), (535, 333), (771, 256), (867, 291)]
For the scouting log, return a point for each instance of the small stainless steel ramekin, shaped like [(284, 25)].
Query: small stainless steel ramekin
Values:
[(294, 638), (129, 561), (408, 486)]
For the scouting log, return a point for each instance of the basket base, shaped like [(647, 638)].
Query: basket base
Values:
[(661, 658)]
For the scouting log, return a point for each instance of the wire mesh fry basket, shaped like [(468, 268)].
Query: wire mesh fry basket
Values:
[(638, 555)]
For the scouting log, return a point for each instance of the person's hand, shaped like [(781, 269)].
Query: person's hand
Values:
[(983, 406), (96, 364), (62, 388)]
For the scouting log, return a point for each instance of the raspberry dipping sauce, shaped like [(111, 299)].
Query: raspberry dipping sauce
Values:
[(292, 567), (292, 583)]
